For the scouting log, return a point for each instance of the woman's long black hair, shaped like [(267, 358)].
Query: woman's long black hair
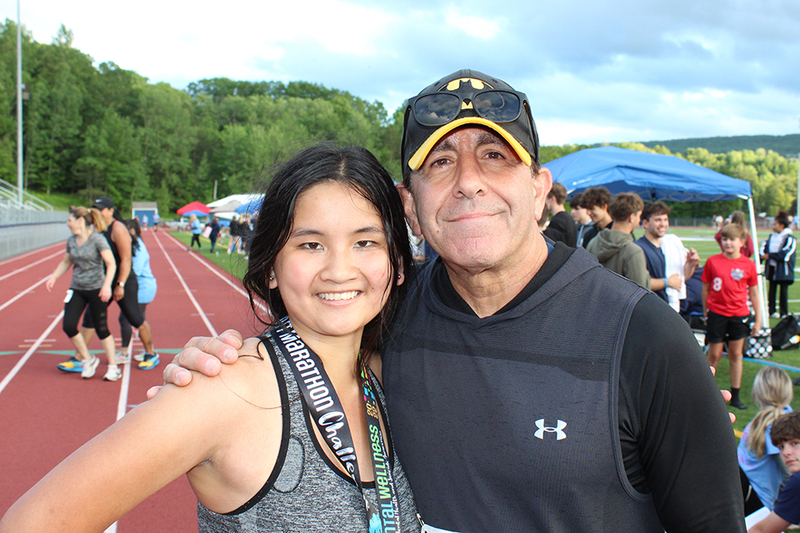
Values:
[(357, 168)]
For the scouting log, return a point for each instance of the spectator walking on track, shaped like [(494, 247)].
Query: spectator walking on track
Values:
[(233, 231), (214, 225), (88, 252), (196, 228), (529, 389), (330, 262), (147, 292)]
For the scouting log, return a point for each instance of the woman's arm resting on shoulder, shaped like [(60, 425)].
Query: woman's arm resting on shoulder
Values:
[(771, 524), (202, 354), (117, 470)]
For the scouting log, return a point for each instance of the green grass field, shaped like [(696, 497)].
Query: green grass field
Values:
[(701, 239)]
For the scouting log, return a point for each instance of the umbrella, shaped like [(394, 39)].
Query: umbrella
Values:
[(194, 206), (198, 214)]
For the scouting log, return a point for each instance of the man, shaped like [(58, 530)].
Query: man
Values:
[(583, 221), (669, 263), (614, 247), (529, 388), (126, 290), (562, 227), (595, 200)]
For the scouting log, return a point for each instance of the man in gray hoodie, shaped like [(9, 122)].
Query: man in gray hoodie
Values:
[(614, 247)]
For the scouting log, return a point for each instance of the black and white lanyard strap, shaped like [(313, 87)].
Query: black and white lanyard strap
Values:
[(323, 403)]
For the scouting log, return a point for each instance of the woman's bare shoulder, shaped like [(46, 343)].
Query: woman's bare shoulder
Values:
[(252, 378)]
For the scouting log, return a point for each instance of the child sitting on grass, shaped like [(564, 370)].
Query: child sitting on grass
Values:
[(727, 279), (786, 436)]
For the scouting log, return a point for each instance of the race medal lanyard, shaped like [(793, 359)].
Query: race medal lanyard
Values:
[(324, 406)]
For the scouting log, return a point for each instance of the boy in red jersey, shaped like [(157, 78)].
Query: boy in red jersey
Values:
[(727, 279)]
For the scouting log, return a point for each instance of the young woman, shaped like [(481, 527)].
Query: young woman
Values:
[(196, 228), (293, 436), (88, 251), (758, 457), (778, 252), (140, 263)]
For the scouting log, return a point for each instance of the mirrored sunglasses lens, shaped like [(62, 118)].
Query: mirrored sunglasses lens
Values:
[(436, 109), (497, 106)]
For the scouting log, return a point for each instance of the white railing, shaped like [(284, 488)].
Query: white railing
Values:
[(9, 197)]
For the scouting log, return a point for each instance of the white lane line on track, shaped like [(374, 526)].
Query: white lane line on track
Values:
[(29, 353), (22, 256), (186, 288), (220, 275), (23, 293), (17, 271)]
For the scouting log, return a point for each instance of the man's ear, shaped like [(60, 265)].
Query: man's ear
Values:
[(410, 208), (542, 183)]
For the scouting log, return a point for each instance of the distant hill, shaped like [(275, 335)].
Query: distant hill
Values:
[(786, 145)]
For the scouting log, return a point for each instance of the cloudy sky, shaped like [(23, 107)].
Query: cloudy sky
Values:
[(593, 70)]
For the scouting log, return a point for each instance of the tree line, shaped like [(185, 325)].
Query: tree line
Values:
[(100, 129)]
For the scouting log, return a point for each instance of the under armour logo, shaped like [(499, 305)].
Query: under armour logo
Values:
[(558, 430)]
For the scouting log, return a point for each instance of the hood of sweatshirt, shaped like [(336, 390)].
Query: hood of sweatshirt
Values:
[(608, 243)]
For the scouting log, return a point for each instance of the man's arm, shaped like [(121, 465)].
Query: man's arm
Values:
[(691, 264), (771, 524), (122, 240), (684, 443)]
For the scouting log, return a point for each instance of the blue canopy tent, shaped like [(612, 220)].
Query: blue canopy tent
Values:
[(251, 207), (653, 177)]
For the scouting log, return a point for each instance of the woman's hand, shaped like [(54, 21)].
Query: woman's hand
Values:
[(105, 293)]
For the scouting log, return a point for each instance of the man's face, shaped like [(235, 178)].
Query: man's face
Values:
[(657, 225), (790, 453), (108, 214), (580, 215), (475, 202), (597, 213)]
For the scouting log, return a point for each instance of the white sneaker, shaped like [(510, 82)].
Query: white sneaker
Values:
[(113, 374), (122, 358), (139, 357), (89, 367), (775, 315)]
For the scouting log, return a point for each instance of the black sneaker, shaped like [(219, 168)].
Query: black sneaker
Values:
[(738, 404)]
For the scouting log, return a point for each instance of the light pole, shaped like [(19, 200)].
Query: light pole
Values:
[(19, 109)]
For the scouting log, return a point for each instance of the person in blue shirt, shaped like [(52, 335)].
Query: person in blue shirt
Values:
[(786, 436), (759, 459)]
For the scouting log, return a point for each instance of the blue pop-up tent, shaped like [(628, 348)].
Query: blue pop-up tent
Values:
[(252, 206), (652, 177)]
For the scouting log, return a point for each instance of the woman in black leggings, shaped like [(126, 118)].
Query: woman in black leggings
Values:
[(88, 252)]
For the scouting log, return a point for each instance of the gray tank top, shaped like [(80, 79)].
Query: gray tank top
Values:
[(305, 492)]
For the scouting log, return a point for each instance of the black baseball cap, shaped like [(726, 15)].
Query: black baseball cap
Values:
[(103, 202), (462, 98)]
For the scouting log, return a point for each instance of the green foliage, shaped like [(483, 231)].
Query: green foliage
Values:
[(102, 129)]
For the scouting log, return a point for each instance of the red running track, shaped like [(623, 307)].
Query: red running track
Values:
[(46, 414)]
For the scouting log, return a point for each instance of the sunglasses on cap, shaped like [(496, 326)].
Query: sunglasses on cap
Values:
[(496, 105)]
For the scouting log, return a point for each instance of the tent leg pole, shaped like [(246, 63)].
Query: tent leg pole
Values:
[(757, 258)]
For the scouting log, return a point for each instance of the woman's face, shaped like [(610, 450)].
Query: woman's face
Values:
[(333, 273), (74, 224)]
